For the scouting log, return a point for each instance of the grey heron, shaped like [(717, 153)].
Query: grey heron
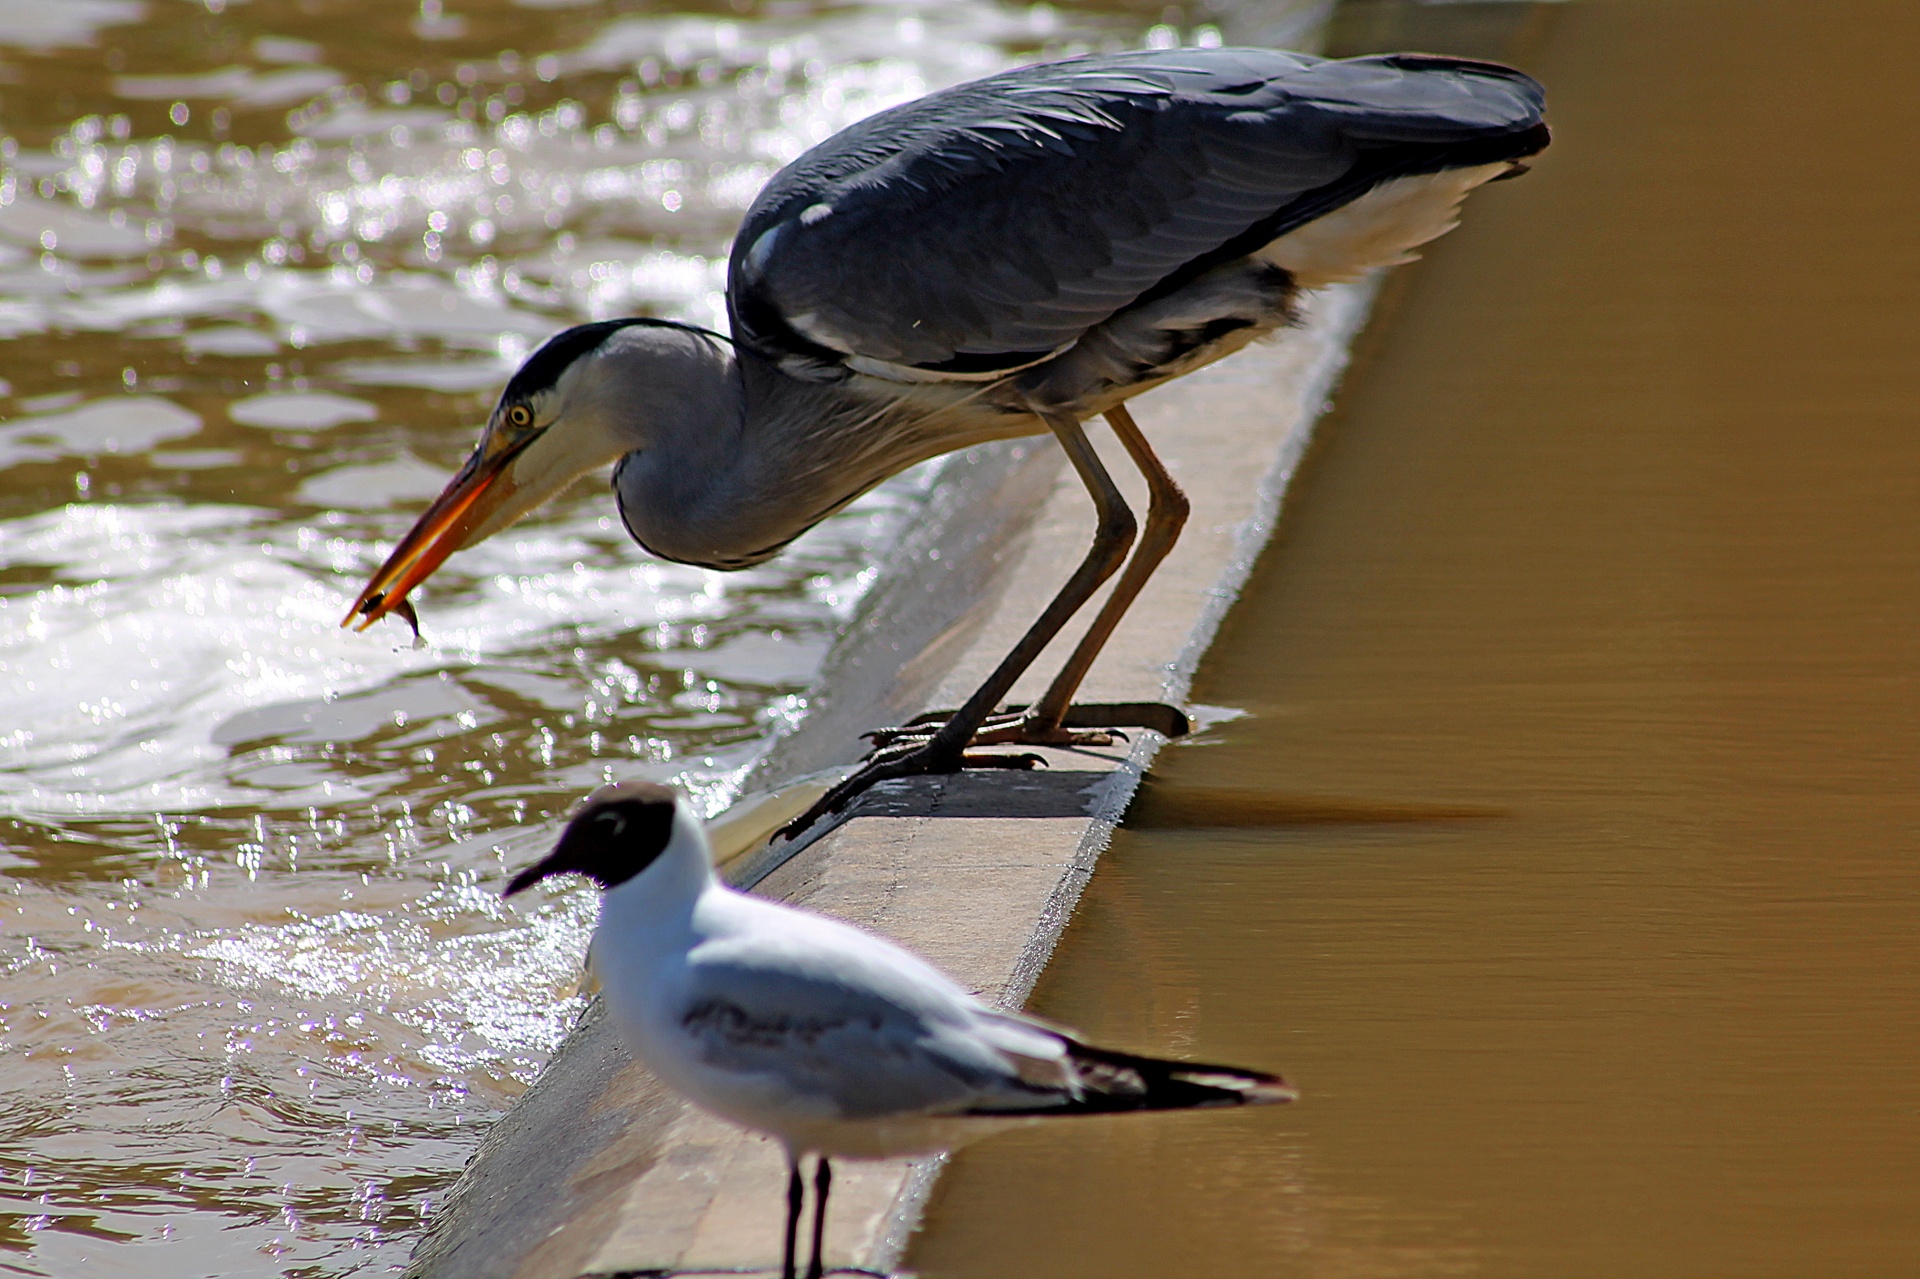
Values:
[(837, 1043), (1012, 256)]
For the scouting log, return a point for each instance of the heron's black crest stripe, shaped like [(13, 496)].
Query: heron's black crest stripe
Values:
[(544, 367)]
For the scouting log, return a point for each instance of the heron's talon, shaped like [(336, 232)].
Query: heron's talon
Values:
[(922, 729), (902, 759), (1009, 728), (1024, 760)]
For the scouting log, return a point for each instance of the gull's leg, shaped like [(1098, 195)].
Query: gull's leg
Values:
[(822, 1183), (1166, 515), (945, 751), (1053, 719), (796, 1195)]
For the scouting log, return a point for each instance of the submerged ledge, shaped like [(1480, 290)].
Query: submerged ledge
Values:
[(597, 1170)]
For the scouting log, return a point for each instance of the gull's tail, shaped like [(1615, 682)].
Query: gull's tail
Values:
[(1108, 1082)]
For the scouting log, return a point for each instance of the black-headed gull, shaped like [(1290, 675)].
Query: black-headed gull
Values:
[(834, 1042)]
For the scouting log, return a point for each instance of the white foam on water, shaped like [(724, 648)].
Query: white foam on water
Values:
[(476, 983), (301, 410), (123, 683), (38, 25), (172, 624), (374, 486), (119, 425)]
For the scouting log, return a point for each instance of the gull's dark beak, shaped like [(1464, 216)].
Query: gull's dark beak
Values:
[(481, 488), (557, 862), (617, 833)]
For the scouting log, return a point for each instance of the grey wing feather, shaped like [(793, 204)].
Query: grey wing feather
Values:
[(862, 1054), (996, 222)]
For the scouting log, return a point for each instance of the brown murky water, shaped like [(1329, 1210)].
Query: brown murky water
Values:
[(1575, 865), (261, 267)]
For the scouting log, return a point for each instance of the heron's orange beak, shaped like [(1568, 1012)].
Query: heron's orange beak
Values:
[(480, 488)]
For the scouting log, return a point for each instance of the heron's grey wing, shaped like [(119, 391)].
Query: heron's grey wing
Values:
[(860, 1053), (994, 223)]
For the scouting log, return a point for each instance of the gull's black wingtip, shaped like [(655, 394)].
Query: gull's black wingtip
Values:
[(1123, 1081), (1111, 1083)]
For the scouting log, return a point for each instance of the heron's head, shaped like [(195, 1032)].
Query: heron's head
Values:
[(583, 400)]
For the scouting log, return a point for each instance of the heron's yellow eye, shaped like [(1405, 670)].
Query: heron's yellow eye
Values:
[(520, 416)]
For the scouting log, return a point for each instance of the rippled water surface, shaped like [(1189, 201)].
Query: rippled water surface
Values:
[(261, 268)]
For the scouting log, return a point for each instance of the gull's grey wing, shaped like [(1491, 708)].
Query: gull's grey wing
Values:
[(861, 1053), (992, 224)]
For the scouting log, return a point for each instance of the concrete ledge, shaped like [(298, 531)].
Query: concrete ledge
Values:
[(596, 1171)]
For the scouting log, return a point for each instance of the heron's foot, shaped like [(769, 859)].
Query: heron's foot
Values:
[(1009, 728), (902, 759), (1029, 730), (1086, 724)]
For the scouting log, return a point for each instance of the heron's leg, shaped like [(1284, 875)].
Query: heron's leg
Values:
[(1166, 515), (1051, 719), (822, 1183), (1111, 539), (796, 1195), (945, 750)]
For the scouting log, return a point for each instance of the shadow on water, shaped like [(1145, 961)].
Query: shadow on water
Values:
[(1615, 532), (1160, 806)]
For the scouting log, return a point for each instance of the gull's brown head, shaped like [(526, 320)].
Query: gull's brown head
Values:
[(549, 429)]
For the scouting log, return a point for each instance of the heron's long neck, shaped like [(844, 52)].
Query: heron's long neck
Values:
[(743, 468)]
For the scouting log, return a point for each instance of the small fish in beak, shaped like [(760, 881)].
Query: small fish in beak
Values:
[(482, 487), (405, 611)]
